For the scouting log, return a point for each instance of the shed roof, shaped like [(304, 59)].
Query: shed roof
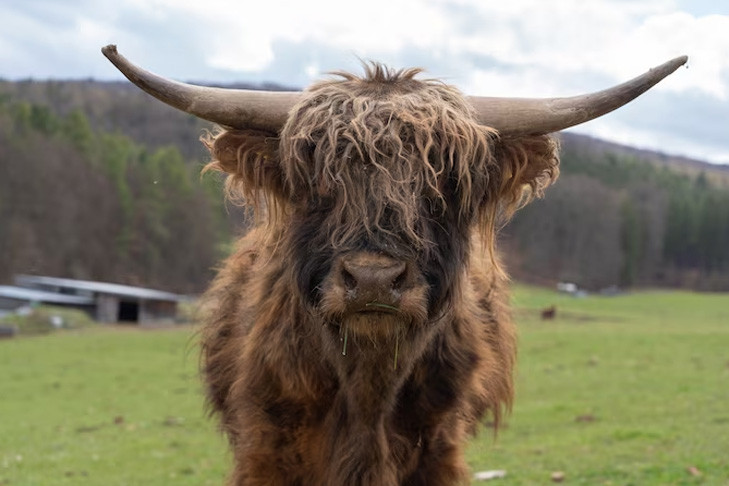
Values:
[(33, 295), (98, 287)]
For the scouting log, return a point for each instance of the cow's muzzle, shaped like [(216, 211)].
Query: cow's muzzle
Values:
[(373, 294), (372, 282)]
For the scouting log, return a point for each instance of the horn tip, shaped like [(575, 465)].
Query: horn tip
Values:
[(678, 61), (681, 60), (109, 50), (667, 67)]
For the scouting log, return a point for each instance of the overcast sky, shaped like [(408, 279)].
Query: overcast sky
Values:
[(496, 48)]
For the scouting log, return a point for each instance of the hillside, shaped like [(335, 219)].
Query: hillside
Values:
[(98, 182), (119, 107), (585, 145)]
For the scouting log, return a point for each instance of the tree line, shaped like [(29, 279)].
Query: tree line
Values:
[(617, 219), (91, 204), (98, 182)]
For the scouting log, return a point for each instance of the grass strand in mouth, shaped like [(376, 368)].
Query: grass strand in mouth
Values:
[(344, 346), (397, 345), (382, 306)]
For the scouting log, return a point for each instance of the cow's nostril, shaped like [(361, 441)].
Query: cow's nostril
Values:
[(399, 280), (350, 282)]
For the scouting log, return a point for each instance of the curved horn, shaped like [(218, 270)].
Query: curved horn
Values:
[(233, 108), (537, 116)]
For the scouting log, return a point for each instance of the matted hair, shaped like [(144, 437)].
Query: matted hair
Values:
[(379, 148)]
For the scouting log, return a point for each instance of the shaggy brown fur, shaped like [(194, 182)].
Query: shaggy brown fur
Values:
[(380, 169)]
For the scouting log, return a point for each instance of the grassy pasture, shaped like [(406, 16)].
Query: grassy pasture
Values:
[(629, 390)]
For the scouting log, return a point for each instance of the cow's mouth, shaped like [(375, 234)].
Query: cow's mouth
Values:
[(375, 315), (378, 308)]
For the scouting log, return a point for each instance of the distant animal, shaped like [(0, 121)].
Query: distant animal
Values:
[(549, 313), (360, 332)]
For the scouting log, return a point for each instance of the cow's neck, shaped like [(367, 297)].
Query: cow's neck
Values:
[(372, 369)]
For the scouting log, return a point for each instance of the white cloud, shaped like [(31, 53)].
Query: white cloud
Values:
[(548, 40), (241, 35), (615, 40), (704, 39), (508, 48)]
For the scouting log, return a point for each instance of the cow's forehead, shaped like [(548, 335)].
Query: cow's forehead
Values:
[(399, 90), (384, 160)]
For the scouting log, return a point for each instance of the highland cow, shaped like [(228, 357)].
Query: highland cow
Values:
[(360, 332)]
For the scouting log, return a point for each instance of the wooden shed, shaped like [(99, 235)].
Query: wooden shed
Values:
[(111, 302)]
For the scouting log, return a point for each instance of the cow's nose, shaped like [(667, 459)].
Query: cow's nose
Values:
[(373, 279)]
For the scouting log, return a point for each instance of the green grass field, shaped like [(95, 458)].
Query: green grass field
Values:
[(630, 390)]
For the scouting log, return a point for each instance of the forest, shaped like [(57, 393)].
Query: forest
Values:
[(99, 182)]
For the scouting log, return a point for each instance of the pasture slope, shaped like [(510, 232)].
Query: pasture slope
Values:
[(627, 390)]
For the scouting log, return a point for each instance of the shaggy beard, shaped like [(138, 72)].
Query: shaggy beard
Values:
[(371, 330), (377, 344), (374, 332)]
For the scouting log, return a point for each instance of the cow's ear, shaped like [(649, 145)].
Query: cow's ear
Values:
[(250, 157), (525, 167)]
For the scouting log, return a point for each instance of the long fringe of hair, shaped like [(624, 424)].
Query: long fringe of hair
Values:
[(371, 146)]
